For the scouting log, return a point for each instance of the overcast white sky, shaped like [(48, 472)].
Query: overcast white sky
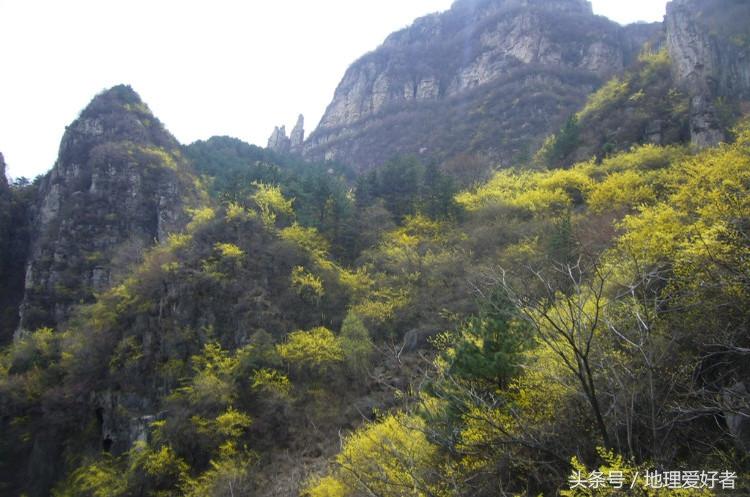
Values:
[(220, 67)]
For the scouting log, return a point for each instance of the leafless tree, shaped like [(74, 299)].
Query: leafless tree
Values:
[(565, 309)]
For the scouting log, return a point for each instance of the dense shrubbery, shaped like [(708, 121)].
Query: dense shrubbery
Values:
[(189, 333)]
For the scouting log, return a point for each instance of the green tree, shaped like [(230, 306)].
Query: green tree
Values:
[(563, 144), (356, 344), (490, 345)]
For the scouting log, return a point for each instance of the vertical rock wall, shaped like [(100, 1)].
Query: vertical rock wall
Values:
[(709, 44)]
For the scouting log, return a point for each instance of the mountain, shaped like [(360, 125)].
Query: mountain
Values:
[(487, 77), (119, 185), (218, 319), (140, 272)]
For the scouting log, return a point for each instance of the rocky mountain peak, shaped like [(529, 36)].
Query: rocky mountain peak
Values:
[(481, 77), (119, 179), (112, 98), (116, 114)]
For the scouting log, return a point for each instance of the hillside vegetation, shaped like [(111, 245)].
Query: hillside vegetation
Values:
[(595, 315), (219, 320)]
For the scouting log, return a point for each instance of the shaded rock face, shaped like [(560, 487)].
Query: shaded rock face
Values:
[(709, 44), (120, 430), (4, 208), (119, 178), (488, 76), (14, 248)]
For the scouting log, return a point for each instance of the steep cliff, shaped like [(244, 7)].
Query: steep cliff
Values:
[(709, 44), (119, 184), (490, 77)]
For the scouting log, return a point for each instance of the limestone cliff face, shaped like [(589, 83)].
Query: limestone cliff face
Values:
[(709, 44), (119, 185), (486, 76)]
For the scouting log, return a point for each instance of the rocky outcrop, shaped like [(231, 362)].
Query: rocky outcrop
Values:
[(283, 144), (118, 427), (709, 44), (297, 138), (278, 141), (119, 185), (487, 76)]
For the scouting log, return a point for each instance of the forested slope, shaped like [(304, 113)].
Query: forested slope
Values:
[(596, 312), (218, 319)]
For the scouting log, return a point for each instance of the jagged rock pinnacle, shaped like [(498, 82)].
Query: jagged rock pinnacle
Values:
[(278, 141), (298, 135)]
